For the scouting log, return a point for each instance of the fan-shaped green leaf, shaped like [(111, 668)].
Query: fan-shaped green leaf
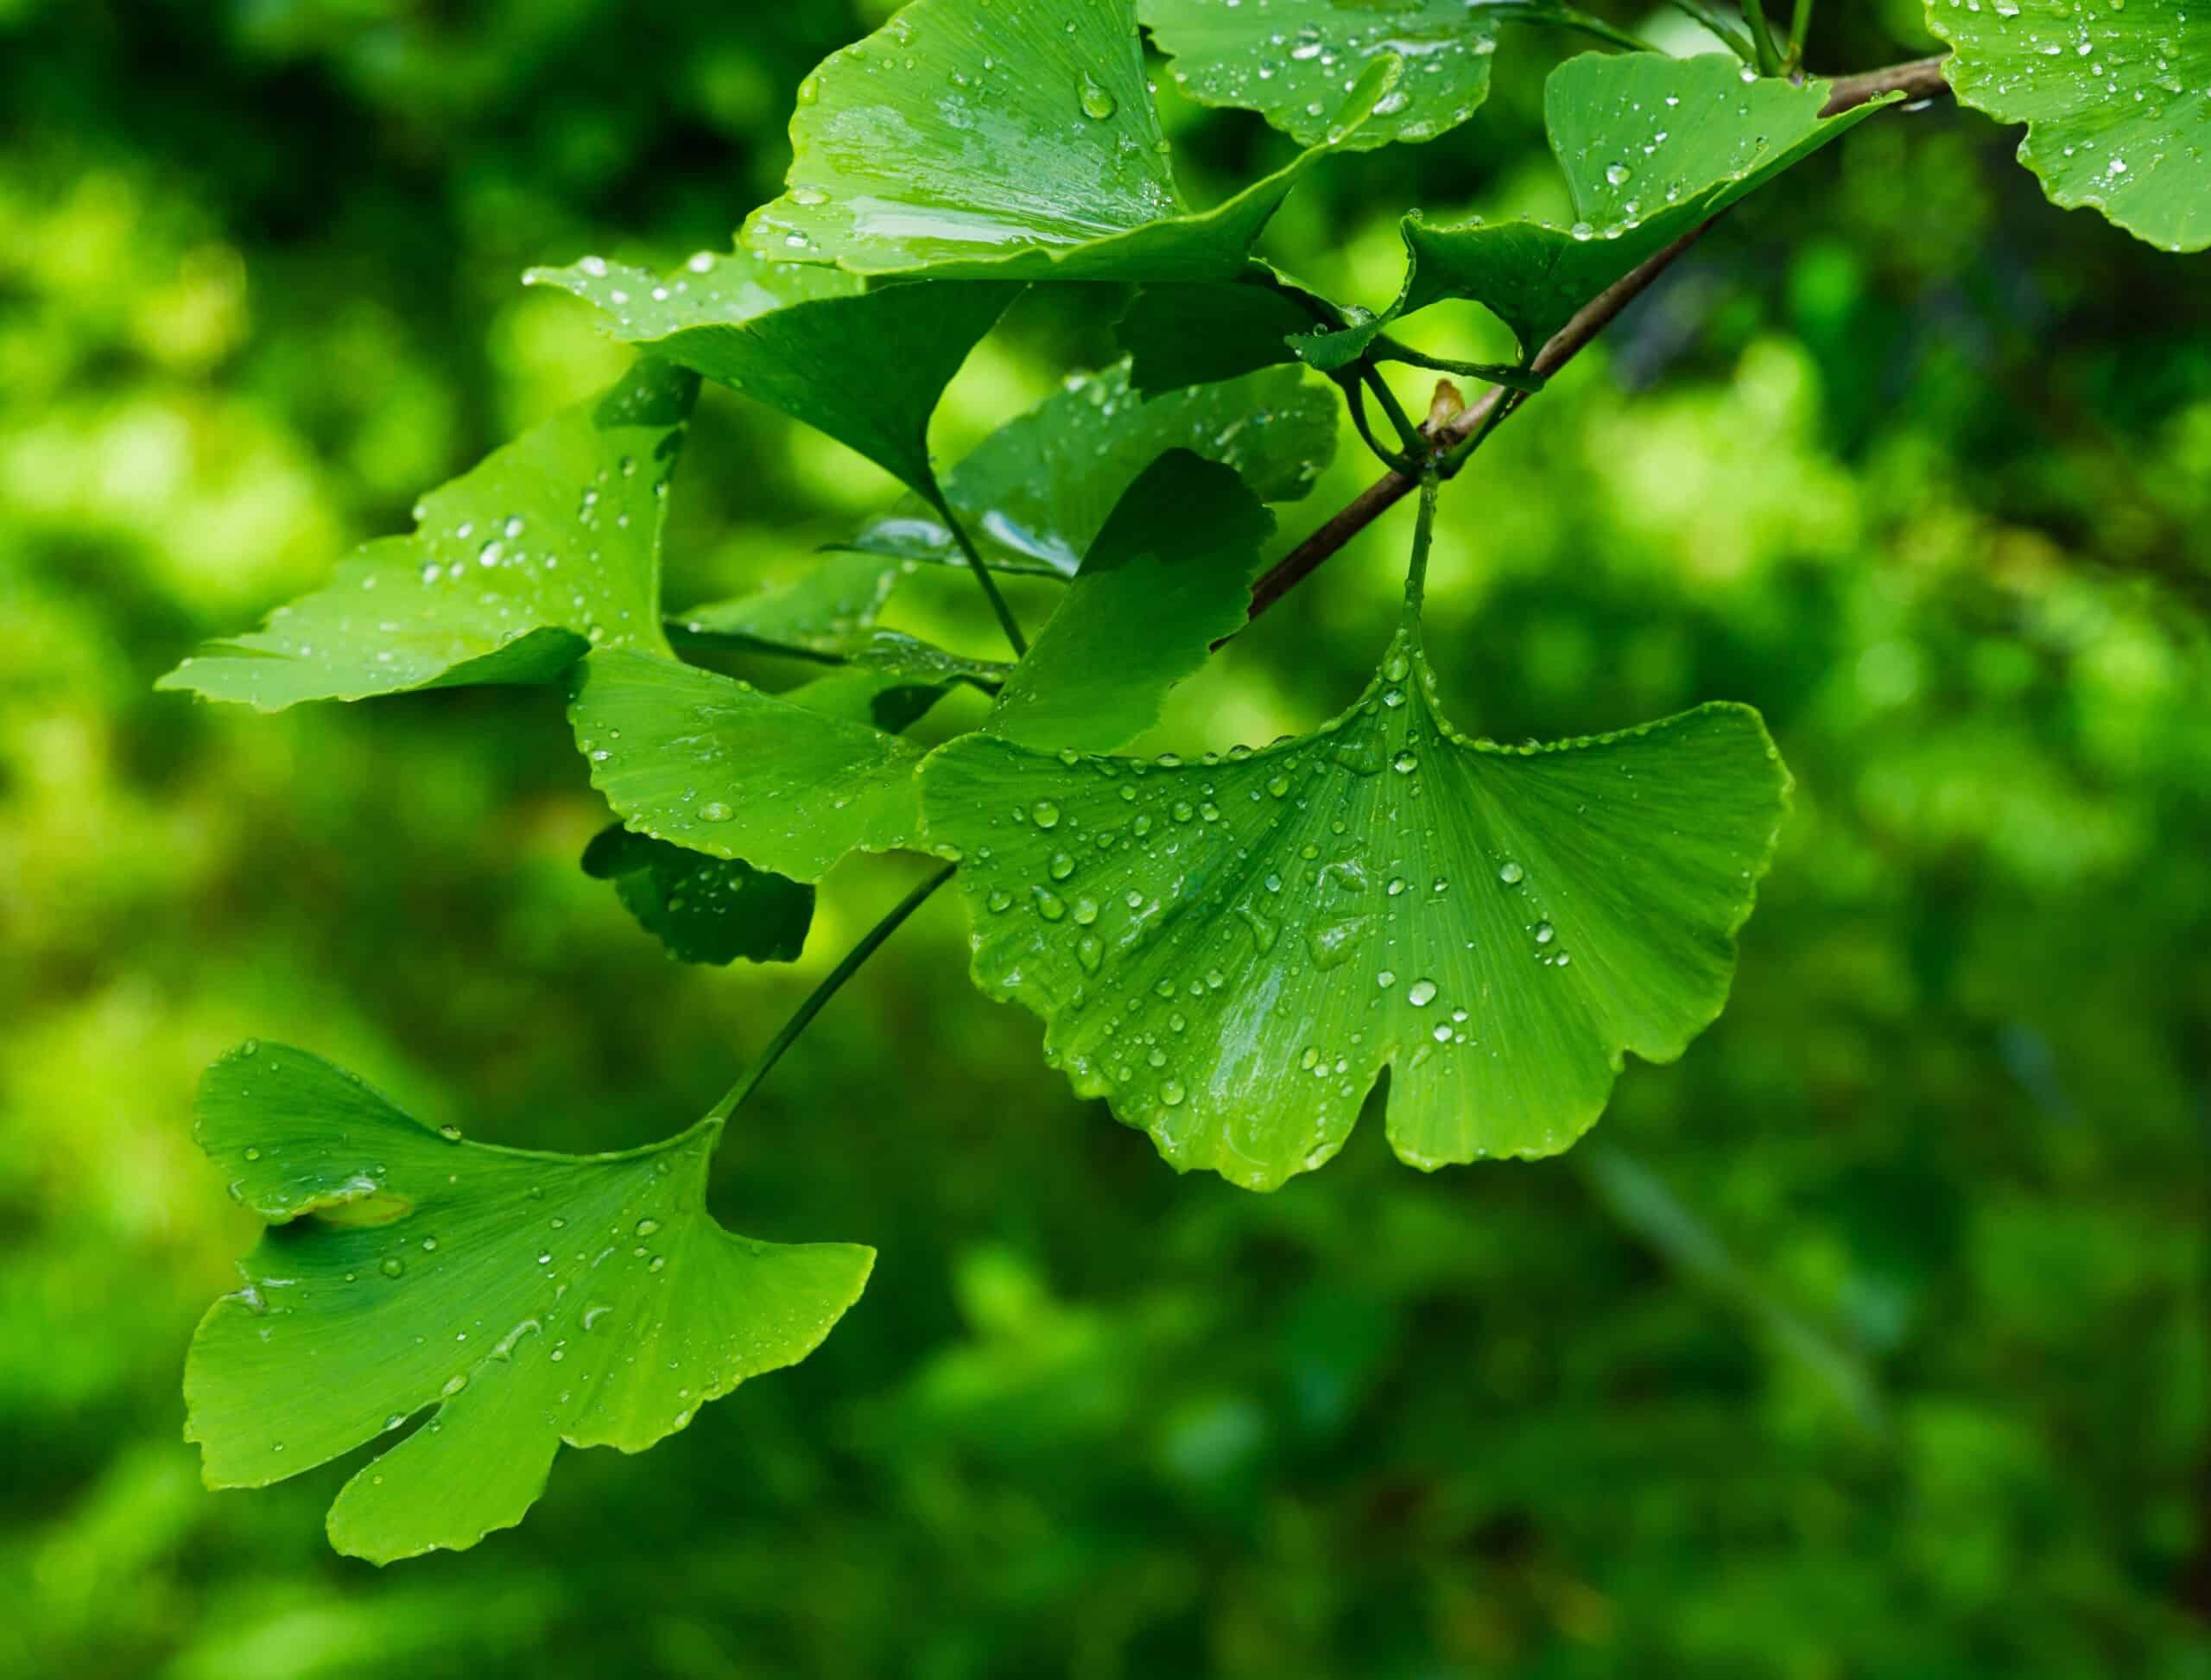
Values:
[(2116, 98), (548, 546), (965, 139), (1288, 59), (521, 1299), (789, 782), (1652, 146), (1169, 576), (1202, 331), (865, 366), (1035, 494), (1230, 953), (704, 909)]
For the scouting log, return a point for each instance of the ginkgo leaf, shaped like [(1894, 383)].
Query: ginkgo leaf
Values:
[(1169, 576), (969, 139), (1288, 59), (2114, 98), (1201, 332), (828, 613), (520, 1299), (1035, 494), (866, 366), (547, 547), (789, 782), (1230, 953), (1652, 146), (704, 909)]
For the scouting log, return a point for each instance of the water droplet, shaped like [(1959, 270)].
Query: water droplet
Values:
[(715, 811), (1046, 814), (647, 1227), (1511, 874), (1420, 994), (1544, 933), (1096, 103), (393, 1267)]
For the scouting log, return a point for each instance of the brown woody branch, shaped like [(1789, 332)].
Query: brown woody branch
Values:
[(1920, 79)]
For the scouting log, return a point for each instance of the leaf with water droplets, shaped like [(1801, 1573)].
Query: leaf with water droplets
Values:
[(789, 782), (2116, 98), (828, 613), (550, 545), (1169, 576), (517, 1298), (964, 139), (704, 909), (1035, 494), (1288, 60), (866, 366), (1652, 147), (1231, 953)]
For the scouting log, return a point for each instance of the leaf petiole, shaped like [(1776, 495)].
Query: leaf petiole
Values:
[(1007, 622), (819, 998), (1736, 41)]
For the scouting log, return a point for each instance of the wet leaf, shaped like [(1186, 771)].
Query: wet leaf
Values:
[(1231, 953), (703, 910), (550, 545), (1169, 576), (519, 1299), (789, 782), (1199, 333), (1011, 142), (1288, 60), (1652, 146), (1035, 494), (865, 366), (2113, 99)]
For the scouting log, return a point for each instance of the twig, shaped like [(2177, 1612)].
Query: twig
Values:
[(1921, 80)]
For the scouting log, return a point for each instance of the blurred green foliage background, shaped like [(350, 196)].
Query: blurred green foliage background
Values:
[(1873, 1338)]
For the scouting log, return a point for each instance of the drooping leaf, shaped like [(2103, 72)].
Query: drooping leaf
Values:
[(704, 909), (865, 365), (828, 613), (1035, 494), (789, 782), (2114, 98), (965, 139), (1231, 953), (1288, 59), (1201, 333), (1170, 575), (1652, 146), (521, 1299), (548, 546)]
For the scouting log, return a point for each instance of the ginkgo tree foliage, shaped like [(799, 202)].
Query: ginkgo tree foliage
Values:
[(1236, 952)]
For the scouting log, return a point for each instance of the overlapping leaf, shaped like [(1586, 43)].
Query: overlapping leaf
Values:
[(1291, 59), (549, 546), (1231, 953), (518, 1299), (702, 909), (1199, 332), (1013, 141), (789, 782), (1035, 494), (866, 366), (829, 613), (1168, 575), (1652, 146), (2116, 98)]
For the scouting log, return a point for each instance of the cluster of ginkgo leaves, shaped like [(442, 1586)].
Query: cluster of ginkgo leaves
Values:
[(1228, 952)]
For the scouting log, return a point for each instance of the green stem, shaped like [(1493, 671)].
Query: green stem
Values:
[(1007, 622), (1568, 17), (1754, 25), (1354, 392), (823, 992), (1408, 433), (1800, 26), (1494, 373), (1736, 42), (1431, 482)]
